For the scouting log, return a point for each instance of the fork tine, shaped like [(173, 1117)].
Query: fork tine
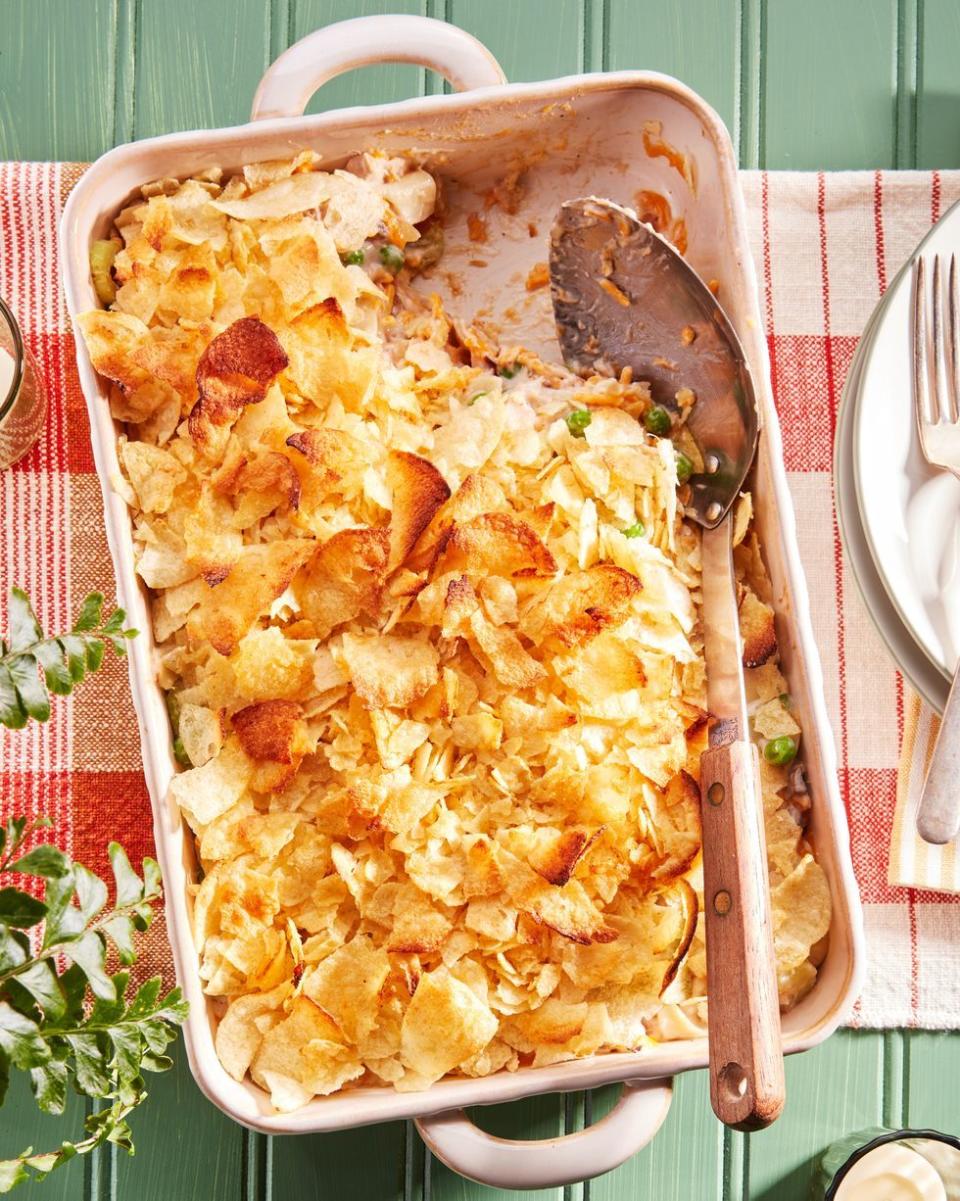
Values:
[(953, 385), (933, 370), (920, 344)]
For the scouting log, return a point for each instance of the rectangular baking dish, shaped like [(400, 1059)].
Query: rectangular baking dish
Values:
[(570, 137)]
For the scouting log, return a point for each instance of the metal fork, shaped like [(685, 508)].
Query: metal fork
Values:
[(936, 395)]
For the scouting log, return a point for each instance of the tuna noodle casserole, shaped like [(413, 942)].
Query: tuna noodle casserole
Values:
[(426, 611)]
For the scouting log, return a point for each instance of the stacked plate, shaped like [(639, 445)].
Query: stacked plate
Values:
[(900, 519)]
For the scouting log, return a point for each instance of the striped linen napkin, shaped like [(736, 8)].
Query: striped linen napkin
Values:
[(824, 247)]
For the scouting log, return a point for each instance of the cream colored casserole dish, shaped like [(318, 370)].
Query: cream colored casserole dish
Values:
[(570, 137)]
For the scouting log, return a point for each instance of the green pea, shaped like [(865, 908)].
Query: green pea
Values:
[(180, 754), (392, 258), (637, 530), (657, 421), (785, 700), (781, 751), (353, 258), (684, 468), (577, 421), (509, 370)]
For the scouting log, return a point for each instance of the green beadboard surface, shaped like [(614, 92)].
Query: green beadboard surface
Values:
[(802, 84)]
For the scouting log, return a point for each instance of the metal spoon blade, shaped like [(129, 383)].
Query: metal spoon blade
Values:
[(623, 297)]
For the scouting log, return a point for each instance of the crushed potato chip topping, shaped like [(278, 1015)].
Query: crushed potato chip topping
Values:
[(444, 715)]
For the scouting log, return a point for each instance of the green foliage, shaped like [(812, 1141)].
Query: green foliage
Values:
[(34, 664), (84, 1027)]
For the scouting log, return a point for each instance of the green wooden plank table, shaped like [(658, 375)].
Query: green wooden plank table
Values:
[(802, 84)]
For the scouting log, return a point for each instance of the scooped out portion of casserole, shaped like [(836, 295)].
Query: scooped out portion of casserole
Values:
[(426, 612)]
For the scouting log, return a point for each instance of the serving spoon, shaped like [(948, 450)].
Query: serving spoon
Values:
[(624, 298)]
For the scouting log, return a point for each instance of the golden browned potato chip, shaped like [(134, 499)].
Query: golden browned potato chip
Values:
[(243, 829), (190, 290), (344, 578), (801, 908), (477, 494), (389, 670), (678, 828), (445, 1024), (558, 852), (566, 908), (154, 474), (764, 683), (783, 843), (607, 675), (170, 357), (325, 364), (405, 807), (418, 491), (651, 941), (259, 576), (460, 602), (521, 718), (347, 985), (598, 794), (306, 269), (235, 370), (416, 925), (281, 197), (479, 731), (212, 545), (580, 604), (261, 483), (325, 460), (201, 733), (239, 1032), (303, 1056), (757, 630), (351, 812), (268, 665), (774, 720), (555, 1021), (511, 662), (112, 339), (499, 544), (203, 793), (689, 907), (396, 737), (482, 877), (270, 730)]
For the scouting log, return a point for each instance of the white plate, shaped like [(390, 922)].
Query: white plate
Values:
[(925, 677), (909, 511)]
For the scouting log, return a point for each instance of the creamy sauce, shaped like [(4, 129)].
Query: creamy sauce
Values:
[(891, 1172)]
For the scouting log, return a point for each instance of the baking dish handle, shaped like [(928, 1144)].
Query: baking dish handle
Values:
[(363, 41), (548, 1163)]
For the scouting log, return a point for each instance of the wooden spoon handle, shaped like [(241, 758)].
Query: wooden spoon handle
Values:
[(746, 1060)]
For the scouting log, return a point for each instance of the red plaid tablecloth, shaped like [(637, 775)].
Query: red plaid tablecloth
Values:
[(83, 768), (825, 247)]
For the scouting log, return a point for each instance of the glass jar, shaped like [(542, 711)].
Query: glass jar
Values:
[(902, 1165), (23, 400)]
